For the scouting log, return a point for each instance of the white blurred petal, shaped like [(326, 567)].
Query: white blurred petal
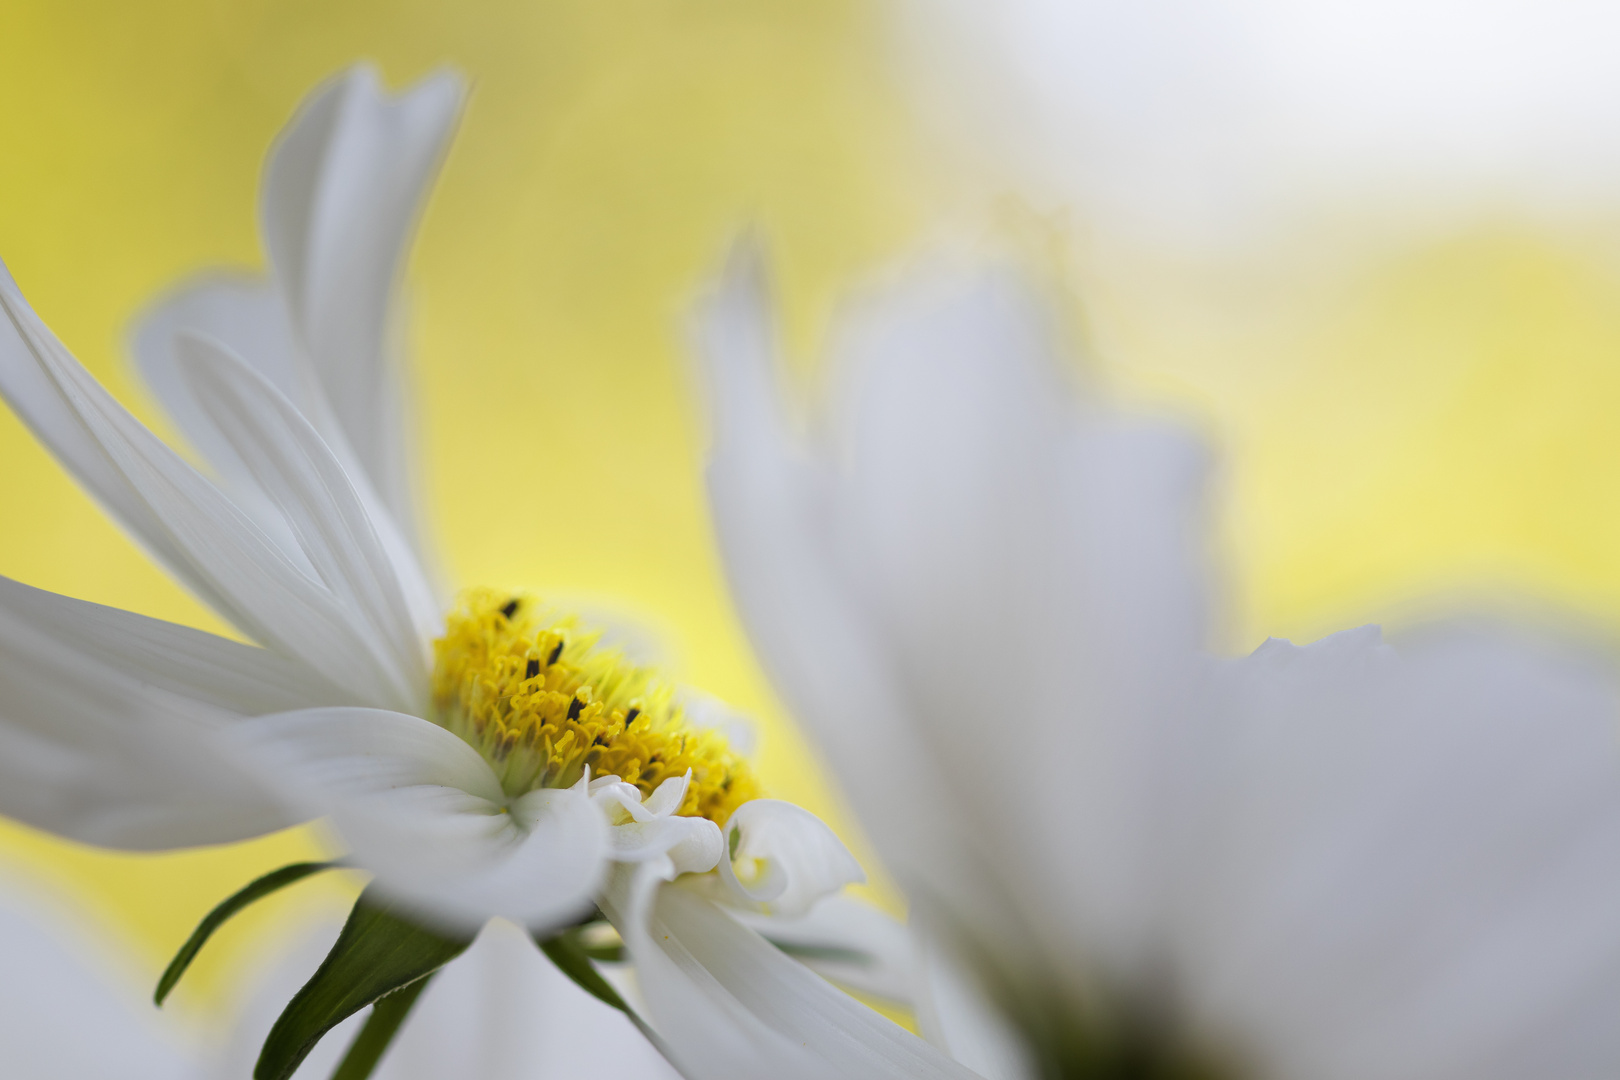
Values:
[(704, 711), (731, 1006), (1019, 547), (499, 1011), (502, 1011), (65, 1012), (771, 519), (984, 566), (955, 1014), (1183, 124), (1408, 860), (342, 190), (424, 812), (794, 859)]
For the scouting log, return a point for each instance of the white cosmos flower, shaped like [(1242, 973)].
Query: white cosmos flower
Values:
[(481, 759), (983, 591)]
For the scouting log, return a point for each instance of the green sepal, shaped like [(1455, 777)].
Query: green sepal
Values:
[(573, 959), (369, 1044), (378, 952), (258, 889)]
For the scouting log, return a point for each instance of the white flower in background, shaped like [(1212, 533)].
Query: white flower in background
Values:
[(501, 1013), (983, 591), (479, 760), (1191, 121)]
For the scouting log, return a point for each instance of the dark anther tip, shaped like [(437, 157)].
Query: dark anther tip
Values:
[(510, 607), (630, 717), (574, 707), (531, 669), (556, 652)]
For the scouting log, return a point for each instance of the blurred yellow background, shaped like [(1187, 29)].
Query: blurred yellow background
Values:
[(1416, 414)]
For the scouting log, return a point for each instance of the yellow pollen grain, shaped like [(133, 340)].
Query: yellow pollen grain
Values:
[(541, 702)]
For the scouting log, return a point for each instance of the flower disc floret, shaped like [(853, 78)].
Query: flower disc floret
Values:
[(532, 691)]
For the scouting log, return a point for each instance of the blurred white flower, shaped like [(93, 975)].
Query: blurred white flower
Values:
[(984, 592), (501, 1013), (480, 760), (1198, 121)]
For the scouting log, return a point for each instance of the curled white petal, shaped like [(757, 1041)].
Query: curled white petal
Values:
[(424, 812), (648, 829), (789, 858)]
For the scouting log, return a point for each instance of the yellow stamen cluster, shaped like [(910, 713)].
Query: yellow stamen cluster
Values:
[(541, 702)]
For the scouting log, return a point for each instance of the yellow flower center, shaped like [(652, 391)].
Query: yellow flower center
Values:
[(534, 694)]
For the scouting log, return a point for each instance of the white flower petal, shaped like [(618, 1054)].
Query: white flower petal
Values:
[(250, 320), (822, 653), (66, 1015), (247, 316), (290, 462), (424, 812), (949, 425), (109, 725), (794, 858), (181, 518), (667, 797), (245, 313), (984, 568), (654, 830), (502, 1011), (203, 667), (1034, 564), (955, 1015), (847, 941), (1403, 863), (499, 1011), (731, 1006), (342, 190)]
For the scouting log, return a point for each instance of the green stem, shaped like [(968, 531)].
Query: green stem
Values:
[(257, 889)]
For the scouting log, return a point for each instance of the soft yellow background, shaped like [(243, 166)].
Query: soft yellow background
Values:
[(1400, 415)]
